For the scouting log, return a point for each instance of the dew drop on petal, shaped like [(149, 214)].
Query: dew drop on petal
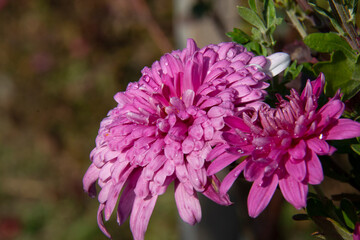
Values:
[(321, 136)]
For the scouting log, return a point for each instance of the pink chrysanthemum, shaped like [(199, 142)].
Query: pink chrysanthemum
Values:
[(164, 127), (280, 146)]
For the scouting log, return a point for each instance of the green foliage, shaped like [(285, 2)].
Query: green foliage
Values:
[(356, 148), (263, 25), (349, 213), (292, 72), (341, 73), (343, 69), (328, 43)]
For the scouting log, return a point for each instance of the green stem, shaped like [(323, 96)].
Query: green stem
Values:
[(297, 24)]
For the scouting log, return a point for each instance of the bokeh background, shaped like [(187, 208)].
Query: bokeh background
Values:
[(61, 62)]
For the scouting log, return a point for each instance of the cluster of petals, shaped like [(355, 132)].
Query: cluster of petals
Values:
[(164, 127), (280, 146)]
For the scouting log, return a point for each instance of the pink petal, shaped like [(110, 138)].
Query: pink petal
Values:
[(142, 187), (221, 162), (127, 198), (253, 170), (188, 205), (293, 191), (111, 201), (230, 178), (356, 234), (140, 216), (314, 169), (195, 160), (212, 192), (296, 169), (233, 139), (181, 173), (89, 179), (153, 166), (217, 151), (307, 92), (197, 177), (343, 129), (260, 195), (100, 221), (331, 110), (196, 131), (318, 85), (187, 145), (299, 151), (216, 111), (318, 146), (103, 194)]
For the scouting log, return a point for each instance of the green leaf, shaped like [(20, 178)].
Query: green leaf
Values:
[(239, 36), (341, 73), (292, 71), (332, 229), (330, 16), (269, 13), (356, 148), (329, 42), (251, 17), (349, 213), (256, 48), (252, 5)]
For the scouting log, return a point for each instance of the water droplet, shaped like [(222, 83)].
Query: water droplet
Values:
[(321, 136), (240, 151), (146, 78)]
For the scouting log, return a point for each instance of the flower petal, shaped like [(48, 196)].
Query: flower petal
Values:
[(212, 192), (140, 216), (314, 170), (221, 162), (343, 129), (260, 194), (90, 178), (188, 205), (100, 220), (230, 178), (296, 169), (319, 146), (278, 62), (356, 234), (293, 191), (299, 151), (331, 110), (236, 122)]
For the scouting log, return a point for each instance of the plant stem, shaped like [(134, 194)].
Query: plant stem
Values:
[(297, 24)]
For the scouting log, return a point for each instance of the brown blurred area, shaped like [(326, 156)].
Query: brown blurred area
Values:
[(61, 62)]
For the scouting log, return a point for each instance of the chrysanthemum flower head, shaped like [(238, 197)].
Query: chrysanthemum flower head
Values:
[(163, 128), (281, 145)]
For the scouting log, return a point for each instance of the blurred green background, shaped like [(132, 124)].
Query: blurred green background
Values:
[(61, 62)]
